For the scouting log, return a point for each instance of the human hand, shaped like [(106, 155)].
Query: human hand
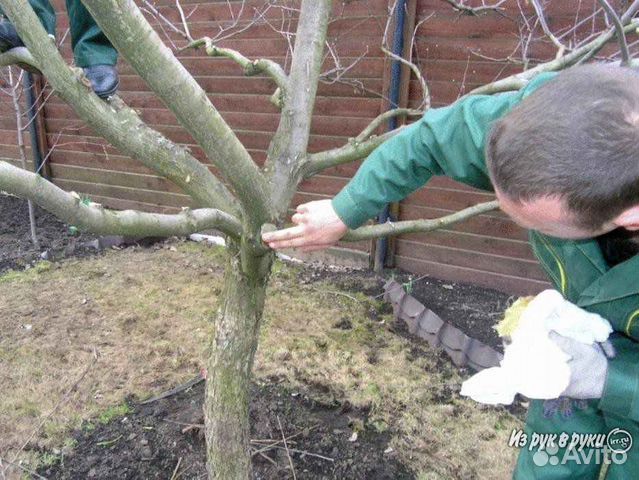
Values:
[(318, 227)]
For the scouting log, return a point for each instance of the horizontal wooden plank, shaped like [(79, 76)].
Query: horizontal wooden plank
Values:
[(468, 258), (258, 122), (506, 283), (488, 224), (113, 177), (145, 196), (481, 244), (203, 65), (328, 106), (510, 7), (251, 140)]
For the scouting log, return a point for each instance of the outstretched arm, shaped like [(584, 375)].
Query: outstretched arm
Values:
[(445, 141)]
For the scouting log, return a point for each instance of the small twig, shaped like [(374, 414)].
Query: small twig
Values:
[(108, 443), (174, 391), (276, 442), (384, 117), (288, 453), (175, 470), (621, 35), (308, 454), (264, 455), (183, 18), (561, 48), (475, 10)]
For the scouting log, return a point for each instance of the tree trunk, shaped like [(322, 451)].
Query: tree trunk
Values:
[(230, 364)]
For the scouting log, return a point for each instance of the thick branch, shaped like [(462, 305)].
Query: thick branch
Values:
[(348, 153), (519, 80), (117, 123), (18, 56), (94, 218), (290, 142), (251, 67), (135, 39), (415, 226)]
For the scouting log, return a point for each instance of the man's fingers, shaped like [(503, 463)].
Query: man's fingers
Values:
[(292, 243), (283, 234), (302, 208), (299, 218)]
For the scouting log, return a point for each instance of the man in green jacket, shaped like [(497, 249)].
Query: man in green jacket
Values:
[(92, 51), (562, 157)]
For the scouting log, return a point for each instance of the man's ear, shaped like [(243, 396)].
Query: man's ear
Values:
[(629, 219)]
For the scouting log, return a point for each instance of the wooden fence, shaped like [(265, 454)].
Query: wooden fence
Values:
[(455, 51)]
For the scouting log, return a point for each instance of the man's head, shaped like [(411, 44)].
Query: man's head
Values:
[(565, 161)]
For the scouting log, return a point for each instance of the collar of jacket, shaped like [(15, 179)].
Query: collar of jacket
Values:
[(578, 269)]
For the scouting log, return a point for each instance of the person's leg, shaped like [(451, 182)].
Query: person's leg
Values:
[(559, 416), (92, 50), (90, 45), (9, 37)]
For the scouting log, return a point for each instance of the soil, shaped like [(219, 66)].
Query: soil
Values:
[(150, 442), (16, 249), (471, 308)]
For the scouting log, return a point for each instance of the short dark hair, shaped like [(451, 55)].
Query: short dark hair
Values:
[(576, 138)]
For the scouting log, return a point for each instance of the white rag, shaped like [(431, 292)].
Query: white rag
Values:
[(533, 364)]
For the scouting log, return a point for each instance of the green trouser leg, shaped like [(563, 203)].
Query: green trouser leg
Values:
[(45, 13), (557, 416), (90, 45)]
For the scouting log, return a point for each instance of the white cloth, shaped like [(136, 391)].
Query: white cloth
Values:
[(533, 364)]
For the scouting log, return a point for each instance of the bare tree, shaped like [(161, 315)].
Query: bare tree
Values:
[(252, 198)]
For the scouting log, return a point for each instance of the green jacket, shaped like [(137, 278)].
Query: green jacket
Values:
[(450, 141)]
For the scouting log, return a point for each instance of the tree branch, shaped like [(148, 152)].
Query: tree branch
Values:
[(70, 208), (621, 35), (383, 118), (348, 153), (113, 120), (250, 67), (290, 143), (415, 226), (18, 56), (458, 5), (561, 48), (135, 39), (520, 80)]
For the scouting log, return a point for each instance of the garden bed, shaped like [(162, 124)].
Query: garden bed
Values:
[(86, 340)]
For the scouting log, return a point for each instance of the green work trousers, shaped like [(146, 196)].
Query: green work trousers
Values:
[(90, 45)]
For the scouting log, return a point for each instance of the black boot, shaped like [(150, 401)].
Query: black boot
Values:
[(104, 79), (9, 40), (8, 36)]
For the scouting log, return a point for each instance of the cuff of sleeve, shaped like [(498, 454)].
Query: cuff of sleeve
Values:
[(348, 210), (621, 389)]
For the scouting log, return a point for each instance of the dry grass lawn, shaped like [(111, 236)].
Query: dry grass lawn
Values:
[(136, 322)]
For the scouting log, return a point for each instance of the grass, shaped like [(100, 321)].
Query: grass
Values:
[(147, 315)]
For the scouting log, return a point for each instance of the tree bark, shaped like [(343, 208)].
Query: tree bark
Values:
[(229, 367)]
